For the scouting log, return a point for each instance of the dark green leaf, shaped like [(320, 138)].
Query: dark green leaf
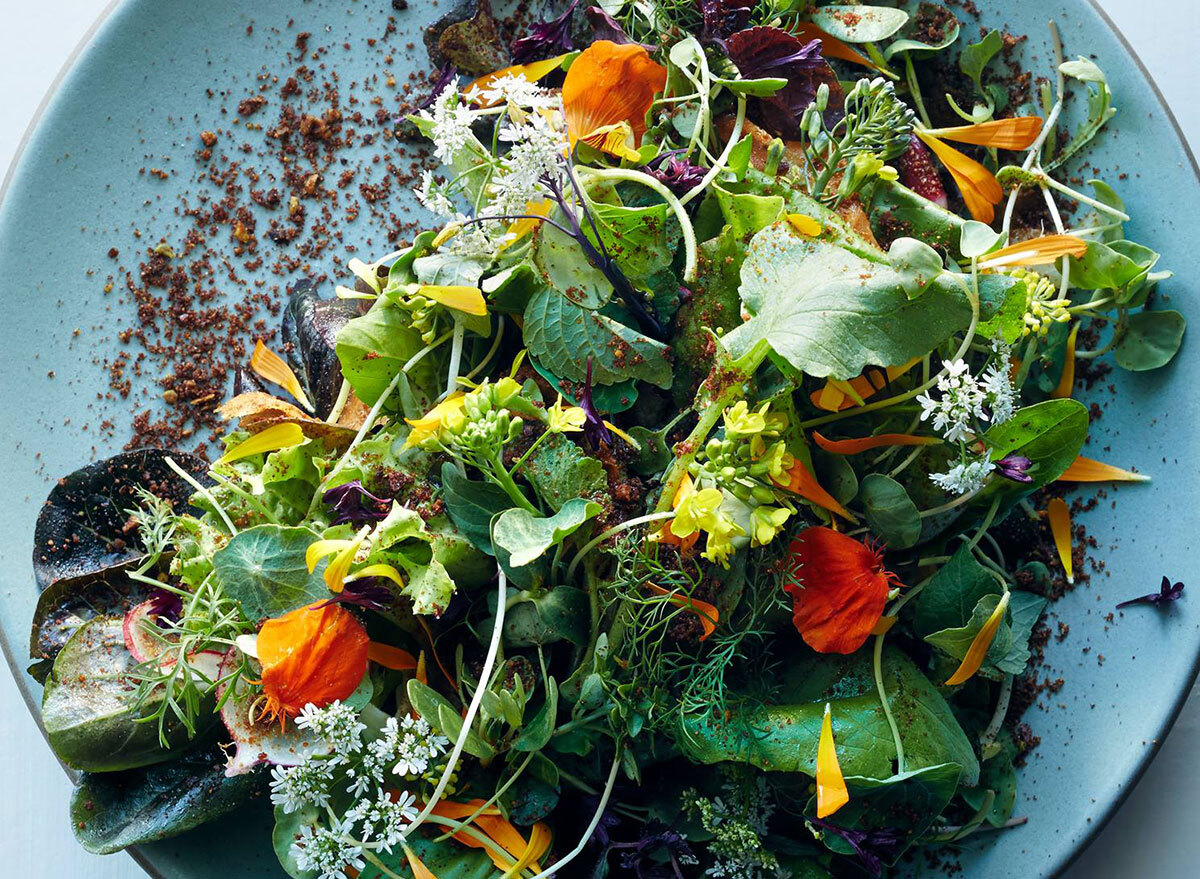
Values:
[(536, 732), (436, 709), (1050, 434), (606, 398), (471, 505), (1150, 340), (263, 569), (997, 775), (654, 455), (952, 594), (909, 802), (890, 511), (560, 471), (558, 615), (975, 57)]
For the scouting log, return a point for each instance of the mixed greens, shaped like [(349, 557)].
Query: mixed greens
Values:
[(672, 507)]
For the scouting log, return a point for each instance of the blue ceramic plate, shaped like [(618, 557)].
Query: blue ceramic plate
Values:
[(137, 97)]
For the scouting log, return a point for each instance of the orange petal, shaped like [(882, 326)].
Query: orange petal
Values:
[(1017, 133), (1060, 528), (419, 870), (804, 224), (1066, 383), (980, 644), (532, 72), (708, 614), (854, 446), (391, 657), (608, 84), (803, 483), (272, 367), (978, 185), (831, 786), (1088, 470), (831, 47), (838, 588), (1036, 251), (831, 398), (883, 626)]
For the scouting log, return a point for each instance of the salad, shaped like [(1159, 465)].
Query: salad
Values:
[(682, 502)]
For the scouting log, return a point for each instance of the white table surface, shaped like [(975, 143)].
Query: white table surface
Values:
[(1154, 836)]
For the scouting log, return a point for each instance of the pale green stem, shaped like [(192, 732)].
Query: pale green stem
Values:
[(487, 358), (591, 828), (203, 492), (455, 826), (616, 529), (1002, 700), (738, 123), (339, 404), (456, 348), (887, 708)]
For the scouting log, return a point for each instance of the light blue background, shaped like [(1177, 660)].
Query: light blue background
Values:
[(1154, 834)]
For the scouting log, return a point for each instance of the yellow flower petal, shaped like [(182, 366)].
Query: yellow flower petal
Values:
[(378, 570), (318, 549), (1017, 133), (623, 435), (272, 367), (1060, 529), (518, 229), (804, 224), (1088, 470), (831, 786), (339, 568), (538, 845), (980, 644), (279, 436), (532, 72), (1066, 383), (428, 424), (468, 300), (977, 184), (616, 140), (1036, 251)]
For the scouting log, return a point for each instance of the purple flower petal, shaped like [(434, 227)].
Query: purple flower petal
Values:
[(351, 504), (369, 593), (546, 38), (165, 606), (1167, 593), (447, 75), (677, 174), (593, 428), (1013, 467)]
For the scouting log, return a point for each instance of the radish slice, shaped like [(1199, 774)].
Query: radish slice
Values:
[(261, 741), (138, 629)]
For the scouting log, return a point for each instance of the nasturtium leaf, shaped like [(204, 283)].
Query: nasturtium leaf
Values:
[(450, 269), (957, 641), (975, 239), (471, 505), (1150, 340), (559, 470), (1106, 267), (608, 399), (746, 212), (654, 455), (374, 347), (1049, 433), (561, 614), (859, 24), (263, 569), (897, 210), (88, 705), (111, 811), (536, 732), (830, 312), (525, 537), (562, 335), (783, 737), (997, 775), (509, 290), (890, 512)]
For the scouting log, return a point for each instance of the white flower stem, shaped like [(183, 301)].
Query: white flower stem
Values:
[(456, 347), (718, 166), (886, 704), (616, 529), (591, 828), (203, 492)]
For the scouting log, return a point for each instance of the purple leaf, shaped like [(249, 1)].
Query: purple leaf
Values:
[(723, 18), (873, 847), (593, 428), (677, 174), (546, 38), (165, 607), (1167, 593), (770, 52), (369, 593), (351, 504), (605, 27)]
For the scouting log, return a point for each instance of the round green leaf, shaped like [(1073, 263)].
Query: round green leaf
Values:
[(890, 511), (859, 24), (1150, 341)]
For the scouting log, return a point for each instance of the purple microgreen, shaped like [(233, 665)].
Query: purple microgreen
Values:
[(165, 606), (771, 52), (605, 27), (678, 175), (721, 19), (546, 38), (594, 428), (1014, 467), (1166, 593), (351, 504), (369, 593), (873, 847)]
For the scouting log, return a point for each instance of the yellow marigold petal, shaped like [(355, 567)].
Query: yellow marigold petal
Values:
[(854, 446), (518, 229), (1060, 529), (980, 644), (419, 870), (1017, 133), (377, 570), (391, 657), (337, 570), (1088, 470), (978, 185), (831, 786), (1066, 383), (532, 72), (468, 300), (804, 224), (1036, 251), (831, 46), (317, 550), (616, 140), (608, 84), (538, 845), (707, 613), (274, 438), (270, 366)]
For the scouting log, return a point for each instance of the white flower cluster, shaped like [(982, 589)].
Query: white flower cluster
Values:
[(511, 88), (963, 478), (451, 124), (367, 767), (537, 149)]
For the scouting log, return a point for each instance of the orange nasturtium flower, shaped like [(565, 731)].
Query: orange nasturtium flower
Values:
[(316, 653), (978, 185), (838, 588), (831, 785), (606, 95), (980, 644), (866, 443)]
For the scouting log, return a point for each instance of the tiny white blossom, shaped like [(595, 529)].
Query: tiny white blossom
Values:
[(294, 787), (513, 88), (433, 197), (384, 820), (960, 402), (327, 851), (964, 478), (451, 130), (1001, 396), (337, 723)]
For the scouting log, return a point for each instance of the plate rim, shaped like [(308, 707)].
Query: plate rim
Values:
[(1110, 810)]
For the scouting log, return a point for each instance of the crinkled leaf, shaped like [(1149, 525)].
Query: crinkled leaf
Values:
[(559, 470), (608, 399), (263, 569), (525, 537), (1150, 340)]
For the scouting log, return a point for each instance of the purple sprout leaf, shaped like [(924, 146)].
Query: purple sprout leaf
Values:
[(1014, 467), (723, 18), (771, 52), (1166, 593), (873, 847), (447, 75), (678, 175), (351, 504), (546, 38), (594, 428), (165, 606), (605, 27), (369, 593)]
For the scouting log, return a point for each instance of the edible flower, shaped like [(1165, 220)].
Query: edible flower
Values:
[(979, 187), (866, 443), (804, 224), (1014, 467), (271, 367), (1035, 251), (351, 504), (980, 644), (459, 297), (1060, 529), (427, 425), (274, 438), (705, 612), (498, 829), (518, 229), (678, 175), (1066, 382), (481, 93), (831, 786), (546, 36), (1089, 470), (313, 655), (595, 428), (365, 592), (873, 847), (419, 870), (565, 419), (837, 395), (838, 587), (799, 480), (606, 95), (1167, 592), (343, 552)]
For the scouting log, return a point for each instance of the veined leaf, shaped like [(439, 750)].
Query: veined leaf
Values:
[(374, 347), (263, 569), (525, 537)]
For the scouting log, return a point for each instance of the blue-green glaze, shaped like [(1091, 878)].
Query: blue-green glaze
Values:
[(136, 93)]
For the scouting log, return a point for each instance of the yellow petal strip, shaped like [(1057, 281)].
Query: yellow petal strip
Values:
[(419, 870), (1088, 470), (978, 185), (831, 786), (280, 436), (804, 224), (532, 72), (1036, 251), (833, 398), (1060, 529), (623, 435), (518, 229), (539, 843), (1017, 133), (980, 644), (428, 424), (336, 571), (272, 367), (1066, 383), (321, 548), (468, 300), (378, 570)]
